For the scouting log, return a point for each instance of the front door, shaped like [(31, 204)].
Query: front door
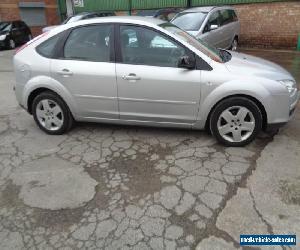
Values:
[(213, 37), (151, 87), (87, 71)]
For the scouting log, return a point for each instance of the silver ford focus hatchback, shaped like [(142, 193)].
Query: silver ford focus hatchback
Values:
[(145, 71)]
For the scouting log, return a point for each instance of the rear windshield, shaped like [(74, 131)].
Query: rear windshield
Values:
[(190, 21)]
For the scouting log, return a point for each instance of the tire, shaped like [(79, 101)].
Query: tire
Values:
[(51, 113), (11, 44), (234, 44), (236, 121)]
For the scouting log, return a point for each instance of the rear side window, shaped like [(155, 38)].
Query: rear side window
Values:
[(225, 17), (90, 43), (228, 16), (47, 48)]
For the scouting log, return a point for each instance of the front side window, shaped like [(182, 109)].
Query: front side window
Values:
[(89, 43), (147, 47), (190, 21), (214, 19)]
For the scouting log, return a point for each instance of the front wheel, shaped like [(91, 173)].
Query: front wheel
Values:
[(236, 121), (51, 113), (11, 44)]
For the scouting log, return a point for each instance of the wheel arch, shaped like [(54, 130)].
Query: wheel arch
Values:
[(41, 84), (255, 100)]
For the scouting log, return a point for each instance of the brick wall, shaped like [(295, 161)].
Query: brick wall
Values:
[(9, 10), (275, 25)]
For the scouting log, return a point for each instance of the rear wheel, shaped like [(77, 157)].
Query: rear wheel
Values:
[(234, 44), (51, 113), (236, 121)]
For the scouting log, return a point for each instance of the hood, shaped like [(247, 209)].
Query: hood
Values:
[(250, 65)]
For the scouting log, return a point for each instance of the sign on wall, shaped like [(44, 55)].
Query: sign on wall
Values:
[(78, 3)]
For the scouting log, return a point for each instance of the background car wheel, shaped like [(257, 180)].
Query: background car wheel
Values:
[(11, 44), (236, 121), (51, 113), (234, 45)]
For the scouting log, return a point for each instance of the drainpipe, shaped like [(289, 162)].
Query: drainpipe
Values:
[(130, 6), (59, 10), (70, 7), (298, 46)]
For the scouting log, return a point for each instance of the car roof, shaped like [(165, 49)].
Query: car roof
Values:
[(207, 8), (119, 19)]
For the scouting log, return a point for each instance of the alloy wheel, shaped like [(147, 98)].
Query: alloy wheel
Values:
[(49, 115), (236, 124)]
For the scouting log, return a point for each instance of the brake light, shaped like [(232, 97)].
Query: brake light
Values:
[(30, 42)]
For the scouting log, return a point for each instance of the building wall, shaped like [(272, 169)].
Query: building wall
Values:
[(10, 10), (275, 25)]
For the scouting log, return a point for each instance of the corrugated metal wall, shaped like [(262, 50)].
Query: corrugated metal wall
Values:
[(223, 2), (119, 5), (103, 5), (157, 4)]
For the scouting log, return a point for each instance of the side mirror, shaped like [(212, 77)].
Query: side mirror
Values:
[(186, 62), (213, 27)]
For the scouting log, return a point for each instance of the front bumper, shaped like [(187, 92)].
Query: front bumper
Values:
[(294, 99)]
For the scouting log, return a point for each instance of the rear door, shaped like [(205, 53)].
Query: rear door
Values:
[(228, 27), (86, 68)]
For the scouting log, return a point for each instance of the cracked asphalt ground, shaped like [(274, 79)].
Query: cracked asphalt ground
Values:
[(117, 187)]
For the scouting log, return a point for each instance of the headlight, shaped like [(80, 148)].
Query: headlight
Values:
[(289, 84), (2, 37)]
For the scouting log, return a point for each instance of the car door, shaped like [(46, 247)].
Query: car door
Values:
[(86, 68), (151, 87), (211, 36), (227, 27)]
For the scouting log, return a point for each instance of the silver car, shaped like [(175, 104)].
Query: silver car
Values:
[(217, 26), (145, 71)]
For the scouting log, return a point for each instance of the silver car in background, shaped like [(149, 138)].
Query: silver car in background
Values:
[(145, 71), (217, 26)]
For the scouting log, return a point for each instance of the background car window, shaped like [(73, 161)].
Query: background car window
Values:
[(214, 19), (233, 15), (89, 43), (226, 17), (190, 21), (147, 47)]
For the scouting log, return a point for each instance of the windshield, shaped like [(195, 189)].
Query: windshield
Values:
[(5, 26), (190, 21), (208, 50)]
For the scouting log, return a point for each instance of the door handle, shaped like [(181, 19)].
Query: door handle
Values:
[(65, 72), (131, 77)]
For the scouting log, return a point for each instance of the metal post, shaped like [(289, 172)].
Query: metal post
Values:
[(298, 46), (130, 6)]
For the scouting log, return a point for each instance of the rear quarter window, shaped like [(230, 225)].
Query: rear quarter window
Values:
[(47, 47)]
